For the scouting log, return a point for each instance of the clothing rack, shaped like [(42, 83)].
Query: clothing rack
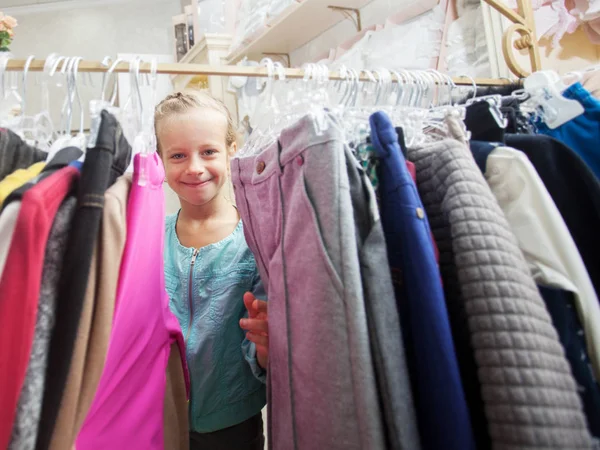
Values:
[(37, 65)]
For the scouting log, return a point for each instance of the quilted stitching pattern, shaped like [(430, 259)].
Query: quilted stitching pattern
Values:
[(528, 390)]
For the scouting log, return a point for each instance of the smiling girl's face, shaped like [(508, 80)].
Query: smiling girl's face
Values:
[(195, 154)]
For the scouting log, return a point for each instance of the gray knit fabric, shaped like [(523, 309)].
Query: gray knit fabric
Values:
[(529, 394), (24, 432), (16, 153)]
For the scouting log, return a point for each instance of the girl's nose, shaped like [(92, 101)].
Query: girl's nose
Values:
[(196, 166)]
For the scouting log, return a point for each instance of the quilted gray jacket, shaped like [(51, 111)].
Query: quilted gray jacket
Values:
[(529, 396)]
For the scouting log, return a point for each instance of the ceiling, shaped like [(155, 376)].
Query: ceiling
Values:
[(16, 7), (12, 3)]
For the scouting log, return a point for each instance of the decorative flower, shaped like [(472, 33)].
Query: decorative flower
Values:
[(7, 26), (9, 21)]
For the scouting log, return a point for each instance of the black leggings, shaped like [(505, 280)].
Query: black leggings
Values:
[(247, 435)]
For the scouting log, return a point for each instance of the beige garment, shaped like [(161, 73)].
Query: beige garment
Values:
[(457, 129), (93, 335), (591, 81), (175, 405)]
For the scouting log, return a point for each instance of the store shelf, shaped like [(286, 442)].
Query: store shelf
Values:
[(300, 23)]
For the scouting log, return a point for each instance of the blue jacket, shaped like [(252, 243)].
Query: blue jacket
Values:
[(206, 289), (442, 411)]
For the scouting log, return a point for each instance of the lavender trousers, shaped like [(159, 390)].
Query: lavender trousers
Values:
[(296, 201)]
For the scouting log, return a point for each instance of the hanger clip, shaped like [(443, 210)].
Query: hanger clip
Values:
[(545, 88)]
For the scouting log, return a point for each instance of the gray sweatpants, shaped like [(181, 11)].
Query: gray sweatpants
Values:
[(295, 201)]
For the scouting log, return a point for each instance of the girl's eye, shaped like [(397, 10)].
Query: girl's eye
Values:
[(210, 152), (177, 156)]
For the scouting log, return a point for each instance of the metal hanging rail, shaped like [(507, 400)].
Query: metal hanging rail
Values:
[(224, 70)]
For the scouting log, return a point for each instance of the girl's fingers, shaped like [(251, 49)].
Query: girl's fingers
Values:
[(255, 325), (260, 306), (262, 341), (249, 300)]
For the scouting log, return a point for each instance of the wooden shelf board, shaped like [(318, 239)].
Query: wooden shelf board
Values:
[(297, 25)]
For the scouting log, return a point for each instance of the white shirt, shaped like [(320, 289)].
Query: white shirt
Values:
[(8, 222), (543, 237)]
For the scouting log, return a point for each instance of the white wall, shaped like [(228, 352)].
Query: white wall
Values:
[(375, 12), (136, 26), (92, 32), (129, 26)]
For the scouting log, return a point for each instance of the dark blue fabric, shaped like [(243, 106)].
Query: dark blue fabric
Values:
[(481, 150), (561, 306), (582, 133), (442, 411)]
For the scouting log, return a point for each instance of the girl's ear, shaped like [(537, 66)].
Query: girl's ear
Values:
[(232, 149)]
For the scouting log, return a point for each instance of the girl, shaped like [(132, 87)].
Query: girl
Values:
[(211, 276)]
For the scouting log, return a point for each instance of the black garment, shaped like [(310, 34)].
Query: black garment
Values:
[(16, 153), (62, 159), (247, 435), (561, 306), (401, 141), (517, 122), (574, 189), (102, 166), (482, 124)]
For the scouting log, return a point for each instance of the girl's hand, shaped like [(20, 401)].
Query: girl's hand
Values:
[(257, 327)]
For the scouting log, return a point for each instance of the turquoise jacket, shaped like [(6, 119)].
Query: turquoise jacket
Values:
[(206, 288)]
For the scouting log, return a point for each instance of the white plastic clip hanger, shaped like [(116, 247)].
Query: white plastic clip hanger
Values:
[(546, 88)]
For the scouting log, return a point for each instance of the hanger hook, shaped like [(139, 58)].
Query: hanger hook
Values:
[(307, 71), (106, 77), (398, 87), (135, 65), (432, 84), (4, 58), (67, 104), (451, 87), (412, 81), (78, 95), (280, 71), (325, 74), (24, 81), (473, 84), (379, 85), (387, 84), (104, 63), (438, 81)]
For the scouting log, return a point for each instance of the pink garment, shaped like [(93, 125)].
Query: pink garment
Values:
[(127, 412)]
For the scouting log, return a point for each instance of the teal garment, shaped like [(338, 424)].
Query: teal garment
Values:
[(227, 384)]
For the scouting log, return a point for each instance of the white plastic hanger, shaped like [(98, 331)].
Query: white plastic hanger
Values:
[(9, 98), (64, 138), (146, 138), (21, 124), (79, 140), (99, 104), (545, 88)]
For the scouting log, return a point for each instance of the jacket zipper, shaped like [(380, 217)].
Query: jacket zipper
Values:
[(190, 295)]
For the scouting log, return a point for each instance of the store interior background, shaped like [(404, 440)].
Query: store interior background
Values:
[(94, 29)]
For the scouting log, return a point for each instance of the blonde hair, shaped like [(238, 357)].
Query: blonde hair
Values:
[(181, 102)]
